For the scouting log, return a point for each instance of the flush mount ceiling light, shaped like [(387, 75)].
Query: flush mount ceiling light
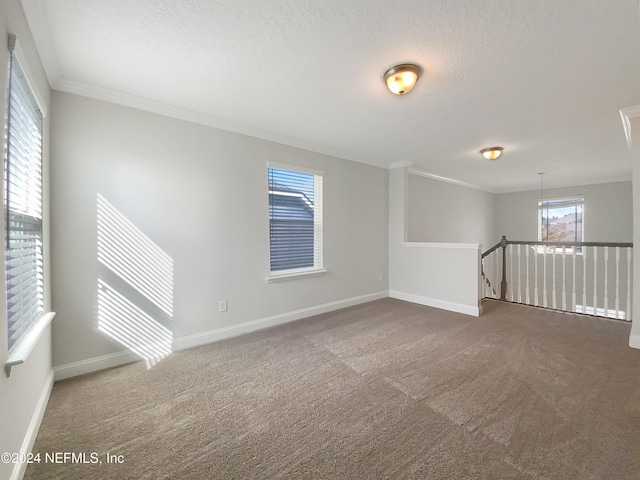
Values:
[(400, 79), (491, 153)]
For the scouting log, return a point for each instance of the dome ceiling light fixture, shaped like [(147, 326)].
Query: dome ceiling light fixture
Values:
[(400, 79), (491, 153)]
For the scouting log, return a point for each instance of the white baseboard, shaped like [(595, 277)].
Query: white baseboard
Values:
[(190, 341), (634, 341), (32, 431), (218, 334), (94, 364), (433, 302)]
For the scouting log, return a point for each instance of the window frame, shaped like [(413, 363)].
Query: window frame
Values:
[(318, 224), (568, 201), (20, 348)]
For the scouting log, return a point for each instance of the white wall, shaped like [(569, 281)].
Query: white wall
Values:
[(442, 275), (200, 194), (608, 212), (24, 394), (443, 212)]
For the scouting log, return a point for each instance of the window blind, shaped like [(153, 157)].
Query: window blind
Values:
[(295, 220), (23, 205)]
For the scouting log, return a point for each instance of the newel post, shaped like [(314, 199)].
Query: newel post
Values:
[(503, 283)]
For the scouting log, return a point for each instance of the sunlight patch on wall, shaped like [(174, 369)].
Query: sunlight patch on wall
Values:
[(125, 322), (135, 286), (128, 252)]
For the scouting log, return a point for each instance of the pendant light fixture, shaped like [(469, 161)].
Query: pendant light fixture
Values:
[(400, 79)]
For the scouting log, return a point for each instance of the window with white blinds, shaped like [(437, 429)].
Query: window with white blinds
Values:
[(295, 219), (22, 205)]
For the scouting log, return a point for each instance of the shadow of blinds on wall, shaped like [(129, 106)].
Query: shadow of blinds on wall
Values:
[(23, 206)]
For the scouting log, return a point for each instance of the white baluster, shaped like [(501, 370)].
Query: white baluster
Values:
[(573, 287), (564, 290), (494, 263), (617, 282), (628, 312), (484, 276), (595, 280), (519, 277), (584, 278), (526, 254), (487, 274), (553, 279), (544, 277), (510, 285), (606, 283), (535, 284)]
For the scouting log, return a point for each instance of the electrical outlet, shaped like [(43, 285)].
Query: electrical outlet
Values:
[(222, 306), (381, 277)]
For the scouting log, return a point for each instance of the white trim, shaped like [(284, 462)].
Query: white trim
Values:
[(433, 302), (146, 105), (626, 114), (252, 326), (21, 350), (400, 164), (120, 358), (294, 275), (575, 200), (422, 173), (29, 77), (94, 364), (294, 168), (634, 341), (39, 28), (36, 19), (34, 425), (469, 246)]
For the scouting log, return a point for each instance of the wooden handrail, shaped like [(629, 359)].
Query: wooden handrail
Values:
[(569, 244), (492, 249), (504, 242)]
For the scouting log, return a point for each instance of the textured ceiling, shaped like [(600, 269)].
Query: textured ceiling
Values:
[(545, 79)]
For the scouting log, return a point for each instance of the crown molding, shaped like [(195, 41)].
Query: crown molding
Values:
[(37, 21), (119, 98), (400, 164), (626, 114), (422, 173)]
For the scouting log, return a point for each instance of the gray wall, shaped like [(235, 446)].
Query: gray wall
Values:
[(23, 396), (200, 195), (443, 212), (608, 212)]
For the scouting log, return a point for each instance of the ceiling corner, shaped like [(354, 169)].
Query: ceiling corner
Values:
[(39, 28)]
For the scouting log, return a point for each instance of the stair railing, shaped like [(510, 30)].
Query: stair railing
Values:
[(584, 277)]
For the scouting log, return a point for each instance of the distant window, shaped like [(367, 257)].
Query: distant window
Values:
[(295, 220), (561, 220), (22, 205)]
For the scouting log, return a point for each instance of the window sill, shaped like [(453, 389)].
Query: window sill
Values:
[(294, 275), (21, 350)]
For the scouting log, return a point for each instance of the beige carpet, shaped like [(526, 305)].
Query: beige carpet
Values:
[(384, 390)]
